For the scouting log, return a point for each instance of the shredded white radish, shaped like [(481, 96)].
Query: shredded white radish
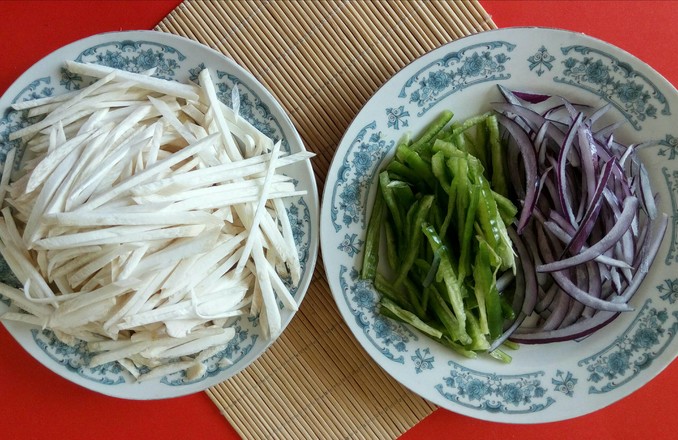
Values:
[(146, 216)]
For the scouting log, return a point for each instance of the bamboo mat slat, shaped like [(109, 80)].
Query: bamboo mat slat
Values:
[(322, 60)]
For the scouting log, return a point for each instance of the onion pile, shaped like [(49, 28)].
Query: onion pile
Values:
[(588, 229)]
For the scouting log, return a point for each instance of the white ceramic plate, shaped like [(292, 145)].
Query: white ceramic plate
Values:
[(544, 382), (179, 59)]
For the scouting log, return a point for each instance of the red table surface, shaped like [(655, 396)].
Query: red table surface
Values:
[(37, 403)]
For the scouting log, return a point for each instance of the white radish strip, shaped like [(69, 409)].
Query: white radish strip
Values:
[(194, 113), (216, 201), (137, 299), (47, 122), (155, 145), (90, 182), (215, 106), (60, 298), (24, 269), (242, 187), (293, 263), (67, 256), (220, 304), (170, 117), (172, 88), (62, 286), (283, 292), (272, 313), (125, 234), (149, 172), (259, 212), (48, 164), (59, 198), (97, 218), (59, 320), (177, 311), (84, 299), (120, 353), (208, 282), (84, 93), (203, 177), (253, 166), (132, 262), (190, 165), (10, 234), (76, 278), (94, 121), (6, 174), (32, 103), (201, 265), (18, 298), (179, 249), (265, 142), (275, 239), (25, 105), (25, 318), (198, 345)]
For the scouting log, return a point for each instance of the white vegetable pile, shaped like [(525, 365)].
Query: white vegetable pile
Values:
[(149, 216)]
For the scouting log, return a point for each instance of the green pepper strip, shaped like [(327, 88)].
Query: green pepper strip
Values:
[(418, 165), (408, 317), (448, 319), (440, 171), (458, 348), (447, 148), (507, 210), (414, 239), (414, 295), (371, 249), (447, 275), (507, 311), (486, 290), (421, 144), (501, 356), (402, 193), (391, 246), (491, 222), (466, 240), (479, 341), (498, 174), (470, 122), (391, 202), (387, 290), (479, 146), (402, 170)]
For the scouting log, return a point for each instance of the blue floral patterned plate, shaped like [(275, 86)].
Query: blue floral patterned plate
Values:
[(178, 59), (544, 382)]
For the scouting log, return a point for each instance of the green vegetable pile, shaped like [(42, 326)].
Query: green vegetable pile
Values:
[(442, 209)]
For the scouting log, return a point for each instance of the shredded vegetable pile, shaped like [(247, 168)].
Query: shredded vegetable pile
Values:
[(477, 274), (147, 217), (444, 217), (589, 227)]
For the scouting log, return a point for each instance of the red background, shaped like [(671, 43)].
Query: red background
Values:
[(36, 403)]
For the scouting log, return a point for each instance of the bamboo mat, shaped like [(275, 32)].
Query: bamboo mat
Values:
[(322, 60)]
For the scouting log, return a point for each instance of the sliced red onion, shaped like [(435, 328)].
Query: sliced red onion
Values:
[(620, 227), (589, 200), (588, 221), (530, 164), (575, 331)]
